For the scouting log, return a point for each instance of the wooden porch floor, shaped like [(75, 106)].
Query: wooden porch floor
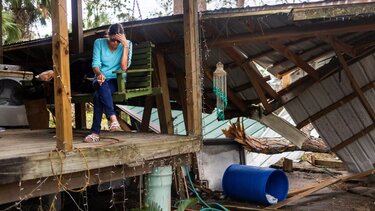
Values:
[(30, 155)]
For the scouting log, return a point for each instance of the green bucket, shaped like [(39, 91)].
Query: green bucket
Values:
[(158, 188)]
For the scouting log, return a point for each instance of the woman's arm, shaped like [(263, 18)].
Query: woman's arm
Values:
[(96, 63), (125, 52)]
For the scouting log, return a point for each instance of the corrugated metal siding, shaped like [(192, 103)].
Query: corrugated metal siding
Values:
[(211, 126), (212, 129), (345, 121), (264, 160)]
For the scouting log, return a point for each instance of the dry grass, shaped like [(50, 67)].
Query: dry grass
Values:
[(89, 118)]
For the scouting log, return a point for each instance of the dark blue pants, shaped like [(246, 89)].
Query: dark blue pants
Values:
[(103, 102)]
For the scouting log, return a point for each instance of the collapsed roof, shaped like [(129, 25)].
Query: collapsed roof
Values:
[(297, 43)]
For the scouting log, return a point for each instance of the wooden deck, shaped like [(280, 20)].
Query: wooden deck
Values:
[(28, 157)]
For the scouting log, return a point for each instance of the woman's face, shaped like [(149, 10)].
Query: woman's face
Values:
[(113, 42)]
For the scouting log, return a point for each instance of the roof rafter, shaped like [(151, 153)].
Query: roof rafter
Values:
[(352, 42), (295, 32), (257, 81), (333, 106), (354, 138), (354, 83), (340, 45), (289, 93), (293, 57)]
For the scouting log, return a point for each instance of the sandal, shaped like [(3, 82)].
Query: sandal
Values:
[(114, 126), (92, 138)]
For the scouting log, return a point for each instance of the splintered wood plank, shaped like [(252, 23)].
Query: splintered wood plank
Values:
[(303, 192), (60, 51), (192, 68)]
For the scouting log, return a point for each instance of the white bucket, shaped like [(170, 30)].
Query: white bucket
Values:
[(158, 188)]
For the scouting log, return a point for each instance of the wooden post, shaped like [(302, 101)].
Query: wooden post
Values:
[(1, 32), (164, 106), (178, 8), (182, 92), (77, 27), (77, 48), (147, 113), (60, 50), (192, 68), (287, 165)]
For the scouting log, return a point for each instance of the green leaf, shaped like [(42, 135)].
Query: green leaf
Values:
[(183, 204)]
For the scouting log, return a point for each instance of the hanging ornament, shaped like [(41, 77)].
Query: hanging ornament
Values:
[(220, 90)]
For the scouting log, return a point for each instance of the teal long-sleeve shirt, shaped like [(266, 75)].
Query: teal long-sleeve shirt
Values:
[(106, 60)]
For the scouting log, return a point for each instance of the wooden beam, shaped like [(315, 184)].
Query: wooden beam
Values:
[(164, 105), (192, 68), (305, 52), (38, 187), (353, 42), (354, 84), (354, 138), (340, 45), (293, 57), (77, 27), (60, 49), (296, 32), (182, 95), (287, 165), (289, 93), (1, 33), (250, 71), (313, 188), (304, 194), (334, 11), (254, 77), (76, 47), (312, 59), (123, 124), (325, 71), (146, 117), (80, 115), (333, 106)]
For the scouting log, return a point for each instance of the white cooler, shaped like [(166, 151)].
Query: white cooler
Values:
[(12, 110)]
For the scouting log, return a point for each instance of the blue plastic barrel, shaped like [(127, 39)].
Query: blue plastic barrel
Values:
[(251, 184)]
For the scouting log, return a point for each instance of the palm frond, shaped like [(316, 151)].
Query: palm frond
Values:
[(11, 30)]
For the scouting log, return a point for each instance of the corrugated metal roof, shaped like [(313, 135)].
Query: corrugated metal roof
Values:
[(211, 126), (227, 24), (348, 119), (168, 33), (212, 129)]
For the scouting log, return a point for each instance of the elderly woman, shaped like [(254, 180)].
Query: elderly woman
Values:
[(109, 55)]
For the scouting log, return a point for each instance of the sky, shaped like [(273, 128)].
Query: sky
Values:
[(149, 6)]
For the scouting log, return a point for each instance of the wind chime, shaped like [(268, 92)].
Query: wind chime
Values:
[(220, 90)]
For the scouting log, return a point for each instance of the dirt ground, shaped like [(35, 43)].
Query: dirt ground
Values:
[(336, 197), (356, 195)]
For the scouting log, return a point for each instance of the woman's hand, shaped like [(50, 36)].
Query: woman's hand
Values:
[(100, 78), (122, 39)]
